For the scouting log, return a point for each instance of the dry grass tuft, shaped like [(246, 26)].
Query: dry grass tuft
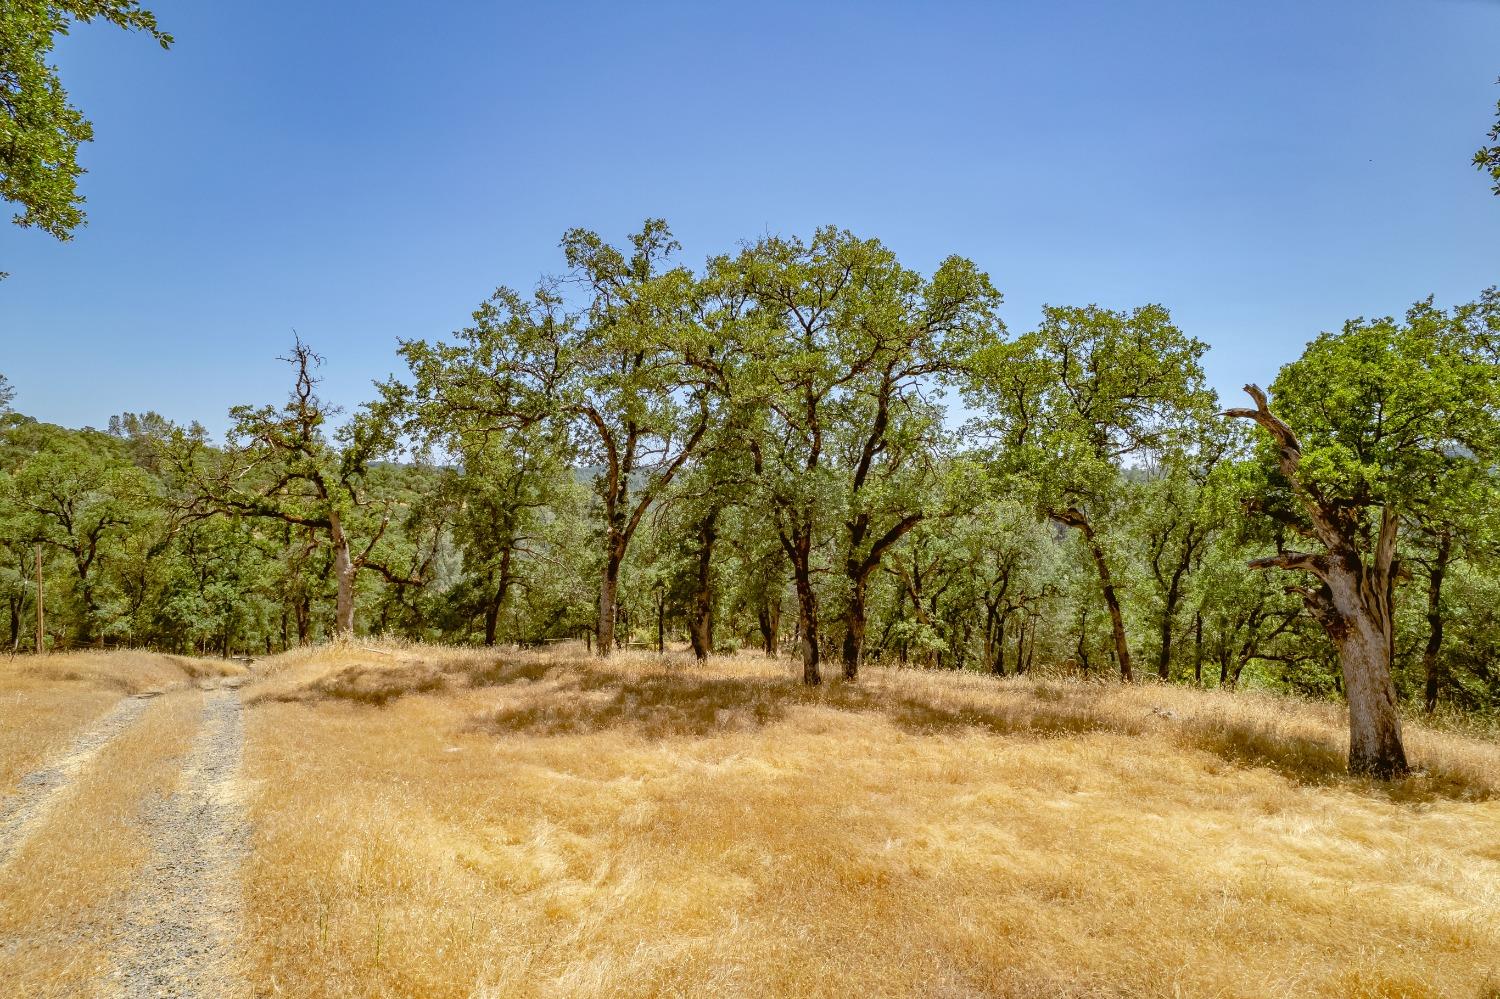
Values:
[(529, 824)]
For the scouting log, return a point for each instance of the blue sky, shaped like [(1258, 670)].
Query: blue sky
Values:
[(362, 172)]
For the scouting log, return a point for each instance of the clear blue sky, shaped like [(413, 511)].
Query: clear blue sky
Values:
[(362, 172)]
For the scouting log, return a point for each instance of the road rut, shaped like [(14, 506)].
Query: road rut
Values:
[(41, 791), (182, 925)]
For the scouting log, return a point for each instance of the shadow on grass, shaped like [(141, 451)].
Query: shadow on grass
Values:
[(548, 697), (1314, 762), (574, 697), (377, 686), (681, 704)]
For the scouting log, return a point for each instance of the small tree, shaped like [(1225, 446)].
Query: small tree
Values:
[(1179, 510), (80, 497)]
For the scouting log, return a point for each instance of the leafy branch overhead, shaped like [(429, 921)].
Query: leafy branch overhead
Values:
[(1487, 158), (40, 130)]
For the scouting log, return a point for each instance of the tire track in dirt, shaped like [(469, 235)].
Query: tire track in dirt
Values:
[(181, 927), (41, 791)]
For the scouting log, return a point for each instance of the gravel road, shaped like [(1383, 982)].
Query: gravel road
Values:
[(181, 927)]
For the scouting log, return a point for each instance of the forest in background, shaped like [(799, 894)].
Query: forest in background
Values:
[(806, 447)]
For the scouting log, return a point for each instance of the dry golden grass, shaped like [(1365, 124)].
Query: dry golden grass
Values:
[(434, 822), (60, 893), (45, 701)]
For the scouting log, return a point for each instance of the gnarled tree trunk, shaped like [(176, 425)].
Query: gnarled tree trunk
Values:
[(799, 552), (604, 633), (343, 574), (701, 627), (1351, 600), (1354, 606)]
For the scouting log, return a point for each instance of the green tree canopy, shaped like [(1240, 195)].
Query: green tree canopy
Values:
[(1068, 403)]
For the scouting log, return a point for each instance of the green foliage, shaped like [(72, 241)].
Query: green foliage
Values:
[(625, 377), (1397, 412), (1487, 158), (80, 498), (39, 130), (1088, 389)]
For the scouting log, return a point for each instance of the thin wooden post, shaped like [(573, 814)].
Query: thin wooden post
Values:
[(661, 621), (41, 629)]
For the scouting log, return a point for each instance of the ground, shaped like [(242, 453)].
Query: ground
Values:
[(391, 820)]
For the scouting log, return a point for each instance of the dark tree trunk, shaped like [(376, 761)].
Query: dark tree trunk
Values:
[(807, 627), (1075, 518), (661, 622), (854, 631), (1198, 649), (491, 621), (86, 625), (701, 627), (859, 563), (858, 570), (1431, 661), (998, 668), (1169, 612), (497, 599), (989, 636), (769, 619), (807, 614), (1083, 638), (614, 556)]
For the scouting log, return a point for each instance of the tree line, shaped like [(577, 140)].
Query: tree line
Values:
[(807, 447)]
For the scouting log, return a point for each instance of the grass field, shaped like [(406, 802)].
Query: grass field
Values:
[(439, 822)]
